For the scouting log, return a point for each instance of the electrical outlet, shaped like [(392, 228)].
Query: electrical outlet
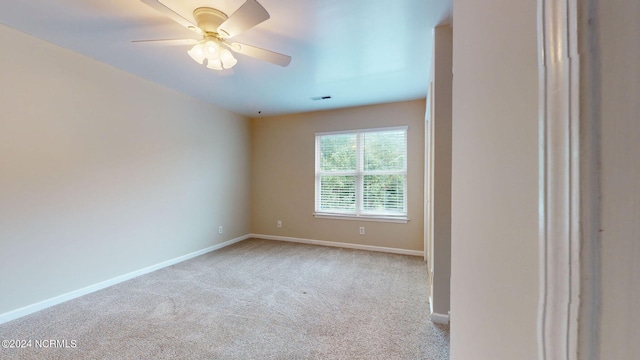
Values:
[(361, 230), (220, 229), (279, 223)]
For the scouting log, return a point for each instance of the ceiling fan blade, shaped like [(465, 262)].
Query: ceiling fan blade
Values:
[(261, 54), (159, 6), (166, 42), (250, 14)]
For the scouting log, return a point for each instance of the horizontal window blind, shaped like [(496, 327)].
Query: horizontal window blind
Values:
[(362, 172)]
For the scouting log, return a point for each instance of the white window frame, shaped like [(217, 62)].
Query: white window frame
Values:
[(359, 213)]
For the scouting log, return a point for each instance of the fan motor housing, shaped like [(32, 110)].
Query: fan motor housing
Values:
[(209, 19)]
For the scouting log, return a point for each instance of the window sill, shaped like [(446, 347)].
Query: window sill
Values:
[(377, 218)]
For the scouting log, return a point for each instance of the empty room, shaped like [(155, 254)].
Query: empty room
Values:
[(216, 179), (293, 179)]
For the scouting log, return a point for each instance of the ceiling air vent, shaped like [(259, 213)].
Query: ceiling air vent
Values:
[(316, 98)]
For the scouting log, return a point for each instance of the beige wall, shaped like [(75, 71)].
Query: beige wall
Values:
[(103, 173), (283, 173), (617, 28), (494, 269), (441, 201)]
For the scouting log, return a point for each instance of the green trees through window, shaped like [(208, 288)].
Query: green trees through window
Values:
[(362, 172)]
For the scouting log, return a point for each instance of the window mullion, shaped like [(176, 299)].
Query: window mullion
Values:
[(360, 170)]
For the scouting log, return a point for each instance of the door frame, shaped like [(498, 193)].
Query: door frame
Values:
[(568, 196)]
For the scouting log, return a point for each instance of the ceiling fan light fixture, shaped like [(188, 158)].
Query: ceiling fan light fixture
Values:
[(214, 64), (210, 49), (197, 53), (228, 61)]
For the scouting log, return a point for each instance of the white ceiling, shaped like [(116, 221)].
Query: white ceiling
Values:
[(357, 51)]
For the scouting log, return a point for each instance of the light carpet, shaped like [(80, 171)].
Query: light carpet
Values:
[(256, 299)]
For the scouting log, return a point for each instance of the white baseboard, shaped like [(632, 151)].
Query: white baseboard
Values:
[(341, 245), (29, 309), (440, 318)]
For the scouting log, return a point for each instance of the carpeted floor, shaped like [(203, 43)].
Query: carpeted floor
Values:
[(257, 299)]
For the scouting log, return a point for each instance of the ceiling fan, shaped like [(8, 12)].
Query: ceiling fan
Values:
[(215, 29)]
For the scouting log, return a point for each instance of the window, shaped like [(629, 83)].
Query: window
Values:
[(362, 173)]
